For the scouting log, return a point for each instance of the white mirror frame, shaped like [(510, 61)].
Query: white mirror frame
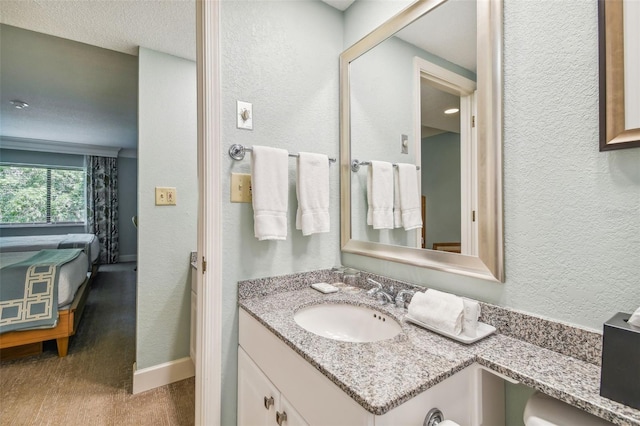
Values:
[(489, 263)]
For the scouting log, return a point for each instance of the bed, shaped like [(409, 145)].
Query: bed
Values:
[(73, 282), (88, 242)]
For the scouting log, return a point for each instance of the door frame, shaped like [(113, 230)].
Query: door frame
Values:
[(209, 299), (458, 85)]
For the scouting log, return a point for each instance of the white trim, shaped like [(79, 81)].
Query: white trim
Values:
[(209, 292), (457, 85), (128, 153), (162, 374), (42, 145), (128, 258)]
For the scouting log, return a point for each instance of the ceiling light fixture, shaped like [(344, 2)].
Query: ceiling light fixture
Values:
[(18, 104), (451, 110)]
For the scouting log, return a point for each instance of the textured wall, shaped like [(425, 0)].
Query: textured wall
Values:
[(282, 56), (167, 234)]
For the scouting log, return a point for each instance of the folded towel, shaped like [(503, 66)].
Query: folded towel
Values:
[(471, 315), (409, 196), (380, 195), (312, 189), (443, 311), (635, 318), (270, 192), (397, 213)]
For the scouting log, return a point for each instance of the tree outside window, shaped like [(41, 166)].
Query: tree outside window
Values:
[(41, 195)]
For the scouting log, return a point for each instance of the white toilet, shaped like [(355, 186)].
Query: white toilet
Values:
[(543, 410)]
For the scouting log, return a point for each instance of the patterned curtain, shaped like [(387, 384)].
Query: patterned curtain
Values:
[(102, 205)]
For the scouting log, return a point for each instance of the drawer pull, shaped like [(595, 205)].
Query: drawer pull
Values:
[(268, 402), (281, 417)]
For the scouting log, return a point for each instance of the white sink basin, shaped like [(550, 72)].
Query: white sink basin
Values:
[(348, 323)]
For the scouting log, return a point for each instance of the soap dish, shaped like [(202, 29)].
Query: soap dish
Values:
[(483, 331), (324, 288)]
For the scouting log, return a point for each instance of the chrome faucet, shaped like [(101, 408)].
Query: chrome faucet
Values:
[(384, 297), (400, 300), (378, 287), (378, 292)]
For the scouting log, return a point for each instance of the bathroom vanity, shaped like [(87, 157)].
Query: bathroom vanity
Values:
[(317, 380)]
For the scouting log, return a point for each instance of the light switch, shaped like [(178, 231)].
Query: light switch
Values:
[(240, 188), (405, 144), (244, 113), (165, 196)]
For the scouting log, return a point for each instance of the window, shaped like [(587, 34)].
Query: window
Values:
[(41, 195)]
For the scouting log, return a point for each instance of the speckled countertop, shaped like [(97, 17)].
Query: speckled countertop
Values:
[(382, 375)]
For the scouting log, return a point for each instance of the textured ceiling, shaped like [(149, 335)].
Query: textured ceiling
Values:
[(78, 92), (120, 25), (449, 32)]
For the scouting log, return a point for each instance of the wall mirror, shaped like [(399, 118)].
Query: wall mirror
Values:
[(619, 70), (395, 84)]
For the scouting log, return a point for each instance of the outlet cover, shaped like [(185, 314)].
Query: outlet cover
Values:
[(240, 188), (165, 196)]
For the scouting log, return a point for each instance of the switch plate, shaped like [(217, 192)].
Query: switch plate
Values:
[(165, 196), (240, 188), (405, 144), (244, 114)]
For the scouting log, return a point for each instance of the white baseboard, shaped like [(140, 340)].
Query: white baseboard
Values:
[(162, 374), (128, 258)]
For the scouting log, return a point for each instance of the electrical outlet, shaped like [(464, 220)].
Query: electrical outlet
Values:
[(240, 188), (165, 196)]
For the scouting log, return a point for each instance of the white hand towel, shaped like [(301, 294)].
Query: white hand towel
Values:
[(635, 318), (397, 213), (380, 195), (270, 192), (312, 189), (409, 196), (443, 311), (471, 315)]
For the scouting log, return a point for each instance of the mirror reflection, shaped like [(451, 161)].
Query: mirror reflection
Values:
[(418, 86), (381, 104)]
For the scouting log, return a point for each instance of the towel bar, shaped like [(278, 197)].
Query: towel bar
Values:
[(355, 165), (237, 152)]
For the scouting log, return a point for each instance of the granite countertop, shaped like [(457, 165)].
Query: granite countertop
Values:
[(382, 375)]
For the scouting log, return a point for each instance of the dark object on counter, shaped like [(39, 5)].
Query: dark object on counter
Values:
[(620, 374)]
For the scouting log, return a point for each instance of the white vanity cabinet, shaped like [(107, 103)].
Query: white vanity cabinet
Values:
[(259, 401), (267, 366)]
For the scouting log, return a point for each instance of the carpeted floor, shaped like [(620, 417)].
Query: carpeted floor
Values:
[(92, 384)]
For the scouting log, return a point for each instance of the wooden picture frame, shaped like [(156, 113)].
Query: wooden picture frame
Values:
[(613, 134)]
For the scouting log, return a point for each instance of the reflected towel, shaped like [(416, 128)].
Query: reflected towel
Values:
[(397, 213), (443, 311), (471, 315), (380, 195), (312, 189), (409, 196), (270, 192)]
